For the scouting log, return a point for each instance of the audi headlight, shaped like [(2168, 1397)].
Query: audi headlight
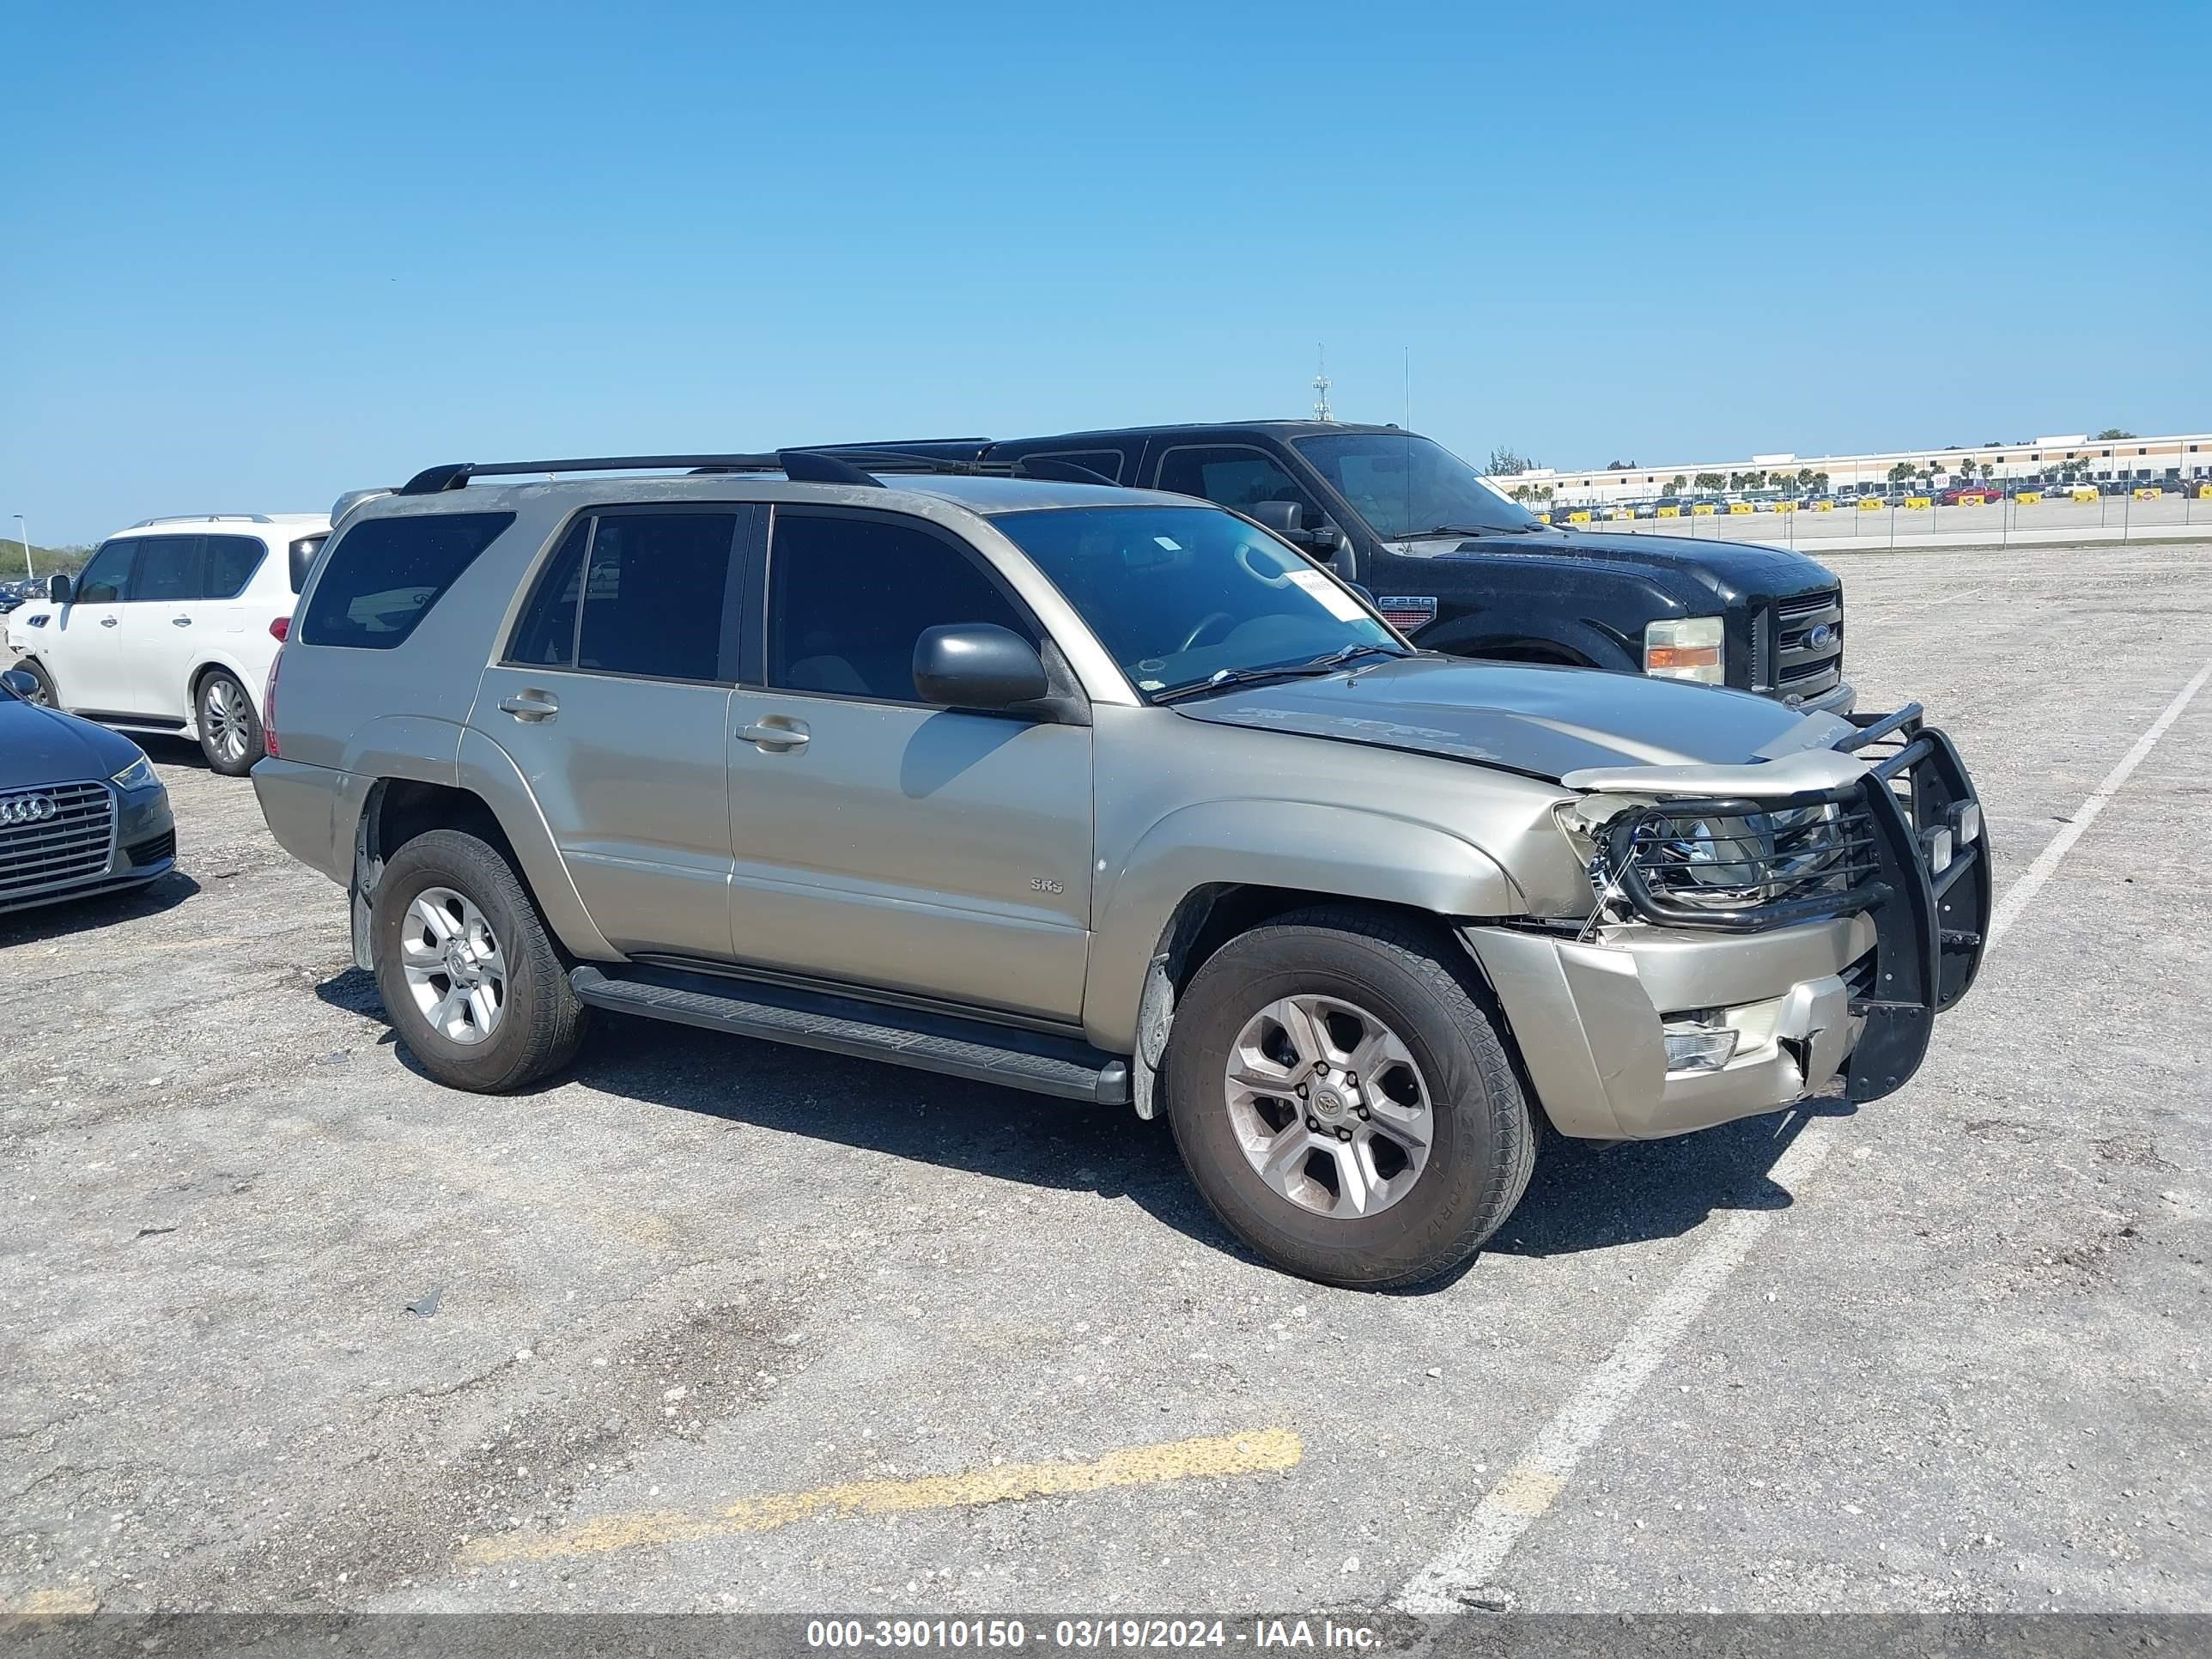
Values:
[(1686, 648), (139, 774)]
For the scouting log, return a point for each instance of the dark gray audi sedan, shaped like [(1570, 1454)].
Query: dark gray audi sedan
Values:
[(81, 809)]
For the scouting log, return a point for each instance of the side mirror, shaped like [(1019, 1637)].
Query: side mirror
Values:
[(1287, 519), (57, 589), (21, 683), (977, 665), (1363, 590)]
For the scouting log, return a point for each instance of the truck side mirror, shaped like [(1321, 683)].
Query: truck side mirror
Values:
[(1287, 519), (57, 589)]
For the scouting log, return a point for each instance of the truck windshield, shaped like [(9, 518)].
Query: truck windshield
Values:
[(1184, 597), (1408, 487)]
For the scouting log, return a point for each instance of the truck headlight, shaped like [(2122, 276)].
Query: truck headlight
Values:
[(1687, 648)]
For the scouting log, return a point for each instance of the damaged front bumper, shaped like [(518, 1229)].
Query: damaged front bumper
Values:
[(1799, 993)]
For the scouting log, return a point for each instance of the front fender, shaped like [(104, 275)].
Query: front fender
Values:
[(1331, 851)]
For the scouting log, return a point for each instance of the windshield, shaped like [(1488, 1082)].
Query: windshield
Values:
[(1404, 486), (1181, 594)]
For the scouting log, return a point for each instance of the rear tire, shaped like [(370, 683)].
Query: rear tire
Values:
[(481, 998), (230, 724), (1371, 1205)]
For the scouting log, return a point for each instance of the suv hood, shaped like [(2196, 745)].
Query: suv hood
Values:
[(1738, 568), (1538, 720), (42, 745)]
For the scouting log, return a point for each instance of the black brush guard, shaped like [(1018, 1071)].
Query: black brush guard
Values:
[(1930, 926)]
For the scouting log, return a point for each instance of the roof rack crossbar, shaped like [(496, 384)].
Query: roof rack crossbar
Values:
[(829, 464), (204, 518)]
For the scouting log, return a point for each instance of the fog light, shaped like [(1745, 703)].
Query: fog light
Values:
[(1696, 1041), (1939, 851), (1966, 821)]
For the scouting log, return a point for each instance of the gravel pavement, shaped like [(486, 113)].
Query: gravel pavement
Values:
[(285, 1325)]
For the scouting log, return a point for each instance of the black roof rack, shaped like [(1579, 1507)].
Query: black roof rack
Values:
[(830, 463)]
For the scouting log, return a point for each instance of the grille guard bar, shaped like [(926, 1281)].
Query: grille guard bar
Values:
[(1929, 925)]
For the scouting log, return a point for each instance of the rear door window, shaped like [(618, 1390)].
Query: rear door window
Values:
[(638, 594), (385, 573), (168, 570)]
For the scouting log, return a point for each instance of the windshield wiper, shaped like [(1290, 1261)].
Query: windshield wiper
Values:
[(1345, 654), (1469, 530), (1327, 663)]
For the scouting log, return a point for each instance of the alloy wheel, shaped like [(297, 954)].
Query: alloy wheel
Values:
[(454, 965), (1329, 1106), (225, 718)]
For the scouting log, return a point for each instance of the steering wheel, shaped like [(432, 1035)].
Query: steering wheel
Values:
[(1191, 639)]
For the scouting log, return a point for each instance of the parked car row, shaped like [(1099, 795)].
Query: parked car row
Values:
[(1093, 765), (1958, 493)]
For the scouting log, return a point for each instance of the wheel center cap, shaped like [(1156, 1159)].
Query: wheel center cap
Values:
[(456, 961), (1327, 1103)]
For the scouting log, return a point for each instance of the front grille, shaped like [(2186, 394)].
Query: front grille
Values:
[(152, 850), (1714, 865), (58, 850), (1804, 666)]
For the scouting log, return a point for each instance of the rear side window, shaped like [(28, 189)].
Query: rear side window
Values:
[(638, 594), (386, 573), (231, 563)]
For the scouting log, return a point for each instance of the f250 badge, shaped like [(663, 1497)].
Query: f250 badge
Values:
[(1407, 612)]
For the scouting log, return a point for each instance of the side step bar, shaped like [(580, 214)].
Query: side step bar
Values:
[(971, 1049)]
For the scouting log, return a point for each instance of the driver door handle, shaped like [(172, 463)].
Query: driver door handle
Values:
[(109, 622), (530, 705), (776, 735), (180, 622)]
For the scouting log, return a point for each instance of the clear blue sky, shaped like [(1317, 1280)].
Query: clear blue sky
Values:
[(254, 254)]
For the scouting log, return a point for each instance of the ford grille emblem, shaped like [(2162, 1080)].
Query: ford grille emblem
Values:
[(1825, 634), (27, 808)]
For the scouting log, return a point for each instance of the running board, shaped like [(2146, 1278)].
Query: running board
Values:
[(970, 1049)]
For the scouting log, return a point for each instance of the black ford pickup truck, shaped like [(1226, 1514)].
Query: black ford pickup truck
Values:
[(1464, 570)]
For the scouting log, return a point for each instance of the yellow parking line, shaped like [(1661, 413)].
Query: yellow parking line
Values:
[(1261, 1452)]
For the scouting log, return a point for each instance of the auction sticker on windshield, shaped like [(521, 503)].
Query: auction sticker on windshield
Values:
[(1339, 603)]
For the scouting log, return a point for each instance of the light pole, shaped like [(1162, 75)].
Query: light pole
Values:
[(23, 529)]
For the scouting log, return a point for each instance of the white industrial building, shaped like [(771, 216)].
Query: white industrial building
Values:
[(2076, 455)]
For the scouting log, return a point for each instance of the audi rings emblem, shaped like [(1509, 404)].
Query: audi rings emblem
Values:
[(27, 808)]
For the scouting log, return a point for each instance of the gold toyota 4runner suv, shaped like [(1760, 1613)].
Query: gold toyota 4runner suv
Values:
[(1104, 793)]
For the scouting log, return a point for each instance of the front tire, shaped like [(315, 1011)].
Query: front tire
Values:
[(1342, 1100), (230, 724), (471, 980), (46, 696)]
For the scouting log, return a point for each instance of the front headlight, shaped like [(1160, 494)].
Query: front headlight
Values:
[(139, 774), (1687, 648)]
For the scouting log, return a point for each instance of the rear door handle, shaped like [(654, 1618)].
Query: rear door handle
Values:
[(531, 705), (180, 622), (109, 622), (776, 734)]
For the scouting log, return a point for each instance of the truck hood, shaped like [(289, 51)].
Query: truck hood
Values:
[(43, 745), (1735, 569), (1528, 718)]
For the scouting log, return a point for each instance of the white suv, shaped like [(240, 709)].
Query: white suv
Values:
[(172, 627)]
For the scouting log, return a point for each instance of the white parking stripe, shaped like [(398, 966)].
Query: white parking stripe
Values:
[(1479, 1545)]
